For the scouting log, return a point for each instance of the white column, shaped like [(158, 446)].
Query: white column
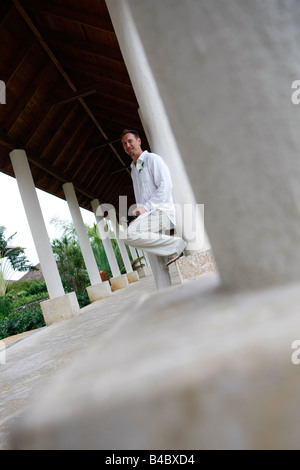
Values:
[(83, 238), (146, 258), (112, 260), (156, 123), (124, 253), (122, 280), (36, 223), (133, 252), (120, 242)]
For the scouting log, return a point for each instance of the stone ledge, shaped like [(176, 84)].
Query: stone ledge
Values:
[(195, 265)]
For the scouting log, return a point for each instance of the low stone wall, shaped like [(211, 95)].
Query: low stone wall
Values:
[(195, 265)]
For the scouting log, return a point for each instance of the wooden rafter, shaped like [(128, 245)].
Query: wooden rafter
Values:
[(68, 97), (35, 160), (60, 11), (59, 67)]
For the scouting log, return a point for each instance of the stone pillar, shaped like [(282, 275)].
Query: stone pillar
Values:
[(145, 254), (112, 260), (60, 306), (155, 120), (96, 291), (133, 252), (124, 253), (120, 280), (160, 271), (36, 223)]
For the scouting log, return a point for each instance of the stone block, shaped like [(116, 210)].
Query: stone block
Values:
[(144, 272), (60, 308), (99, 291), (195, 265), (119, 282), (132, 277)]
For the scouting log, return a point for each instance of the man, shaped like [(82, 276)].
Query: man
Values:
[(155, 208)]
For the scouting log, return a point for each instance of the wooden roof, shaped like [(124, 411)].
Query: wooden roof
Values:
[(68, 97)]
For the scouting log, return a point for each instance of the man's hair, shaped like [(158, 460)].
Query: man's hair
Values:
[(130, 131)]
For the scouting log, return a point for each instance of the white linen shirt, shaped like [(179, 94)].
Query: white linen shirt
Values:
[(152, 184)]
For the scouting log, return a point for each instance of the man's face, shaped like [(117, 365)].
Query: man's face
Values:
[(131, 145)]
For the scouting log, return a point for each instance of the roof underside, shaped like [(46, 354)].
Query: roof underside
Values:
[(68, 97)]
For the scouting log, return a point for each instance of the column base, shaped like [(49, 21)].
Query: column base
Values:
[(132, 277), (144, 272), (99, 291), (119, 282), (60, 308)]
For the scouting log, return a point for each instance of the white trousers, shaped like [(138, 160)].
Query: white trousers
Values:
[(147, 232)]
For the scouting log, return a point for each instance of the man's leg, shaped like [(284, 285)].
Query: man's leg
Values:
[(147, 232)]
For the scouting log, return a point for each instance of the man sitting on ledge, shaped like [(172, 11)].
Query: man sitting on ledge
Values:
[(155, 210)]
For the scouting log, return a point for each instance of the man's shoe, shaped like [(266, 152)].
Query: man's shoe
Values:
[(172, 259), (175, 256)]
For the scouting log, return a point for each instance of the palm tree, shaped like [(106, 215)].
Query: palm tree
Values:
[(11, 258), (15, 254), (70, 264)]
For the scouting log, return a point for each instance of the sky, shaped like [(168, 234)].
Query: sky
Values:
[(13, 217)]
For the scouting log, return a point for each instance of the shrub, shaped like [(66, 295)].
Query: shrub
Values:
[(5, 306), (37, 288), (28, 299), (22, 293), (25, 319)]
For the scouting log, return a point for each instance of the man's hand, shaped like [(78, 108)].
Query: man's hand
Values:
[(139, 210)]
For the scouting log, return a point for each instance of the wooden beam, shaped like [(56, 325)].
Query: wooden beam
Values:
[(67, 13), (47, 49), (119, 77), (29, 93), (96, 49), (74, 96), (34, 159), (113, 141)]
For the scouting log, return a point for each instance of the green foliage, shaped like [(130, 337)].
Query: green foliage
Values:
[(11, 258), (17, 286), (5, 306), (20, 309), (22, 293), (37, 288), (22, 300), (25, 319), (71, 265), (99, 251), (137, 263)]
